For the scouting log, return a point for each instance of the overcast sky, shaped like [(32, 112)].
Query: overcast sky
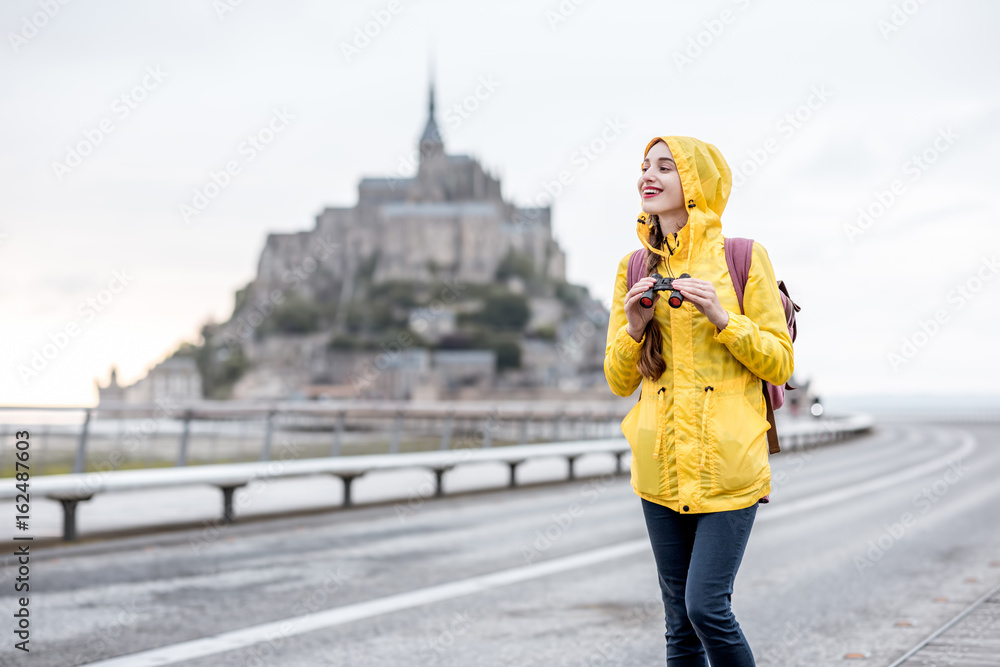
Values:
[(115, 113)]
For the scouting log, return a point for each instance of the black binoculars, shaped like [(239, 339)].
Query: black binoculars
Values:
[(675, 299)]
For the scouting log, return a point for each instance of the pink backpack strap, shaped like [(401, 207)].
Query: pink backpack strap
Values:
[(636, 267), (739, 254)]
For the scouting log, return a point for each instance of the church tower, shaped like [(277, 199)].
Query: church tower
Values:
[(431, 144)]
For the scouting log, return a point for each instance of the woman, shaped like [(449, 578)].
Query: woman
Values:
[(699, 430)]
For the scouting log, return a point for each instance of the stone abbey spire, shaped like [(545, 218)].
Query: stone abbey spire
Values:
[(431, 143)]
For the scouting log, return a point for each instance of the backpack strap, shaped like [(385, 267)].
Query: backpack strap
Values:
[(739, 255), (636, 267)]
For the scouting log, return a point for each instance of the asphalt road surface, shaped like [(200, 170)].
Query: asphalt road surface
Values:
[(867, 547)]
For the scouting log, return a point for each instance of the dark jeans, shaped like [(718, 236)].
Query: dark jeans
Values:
[(697, 556)]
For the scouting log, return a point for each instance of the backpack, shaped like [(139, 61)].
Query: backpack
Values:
[(739, 254)]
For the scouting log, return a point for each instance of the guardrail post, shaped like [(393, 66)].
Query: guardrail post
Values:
[(81, 447), (513, 468), (449, 422), (571, 460), (347, 478), (265, 454), (397, 429), (227, 502), (338, 434), (185, 436), (618, 460), (439, 476), (69, 516)]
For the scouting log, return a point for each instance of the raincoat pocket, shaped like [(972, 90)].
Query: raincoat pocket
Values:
[(639, 427), (737, 452)]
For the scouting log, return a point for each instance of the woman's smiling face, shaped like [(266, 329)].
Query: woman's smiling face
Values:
[(660, 184)]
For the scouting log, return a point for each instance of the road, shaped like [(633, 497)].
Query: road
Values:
[(867, 547)]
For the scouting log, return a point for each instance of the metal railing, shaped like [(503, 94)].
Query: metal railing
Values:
[(123, 436), (114, 436), (326, 419)]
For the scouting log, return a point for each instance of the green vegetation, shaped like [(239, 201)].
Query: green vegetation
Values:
[(220, 365), (504, 310), (570, 294), (518, 264), (242, 298), (294, 315), (508, 351), (546, 332)]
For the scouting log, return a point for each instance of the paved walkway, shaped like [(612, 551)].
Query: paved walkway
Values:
[(972, 641)]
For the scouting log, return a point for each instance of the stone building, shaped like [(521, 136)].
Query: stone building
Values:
[(447, 224), (174, 380)]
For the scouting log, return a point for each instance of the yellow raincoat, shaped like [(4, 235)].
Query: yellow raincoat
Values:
[(699, 433)]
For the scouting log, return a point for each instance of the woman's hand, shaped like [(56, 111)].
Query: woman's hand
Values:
[(702, 296), (638, 316)]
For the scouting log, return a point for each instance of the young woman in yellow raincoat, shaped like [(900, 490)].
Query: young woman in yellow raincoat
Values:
[(699, 429)]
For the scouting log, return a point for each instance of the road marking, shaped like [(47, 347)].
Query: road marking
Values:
[(278, 632)]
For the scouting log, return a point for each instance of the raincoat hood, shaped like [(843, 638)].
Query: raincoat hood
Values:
[(706, 181)]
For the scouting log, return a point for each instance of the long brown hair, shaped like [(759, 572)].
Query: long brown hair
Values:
[(651, 362)]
